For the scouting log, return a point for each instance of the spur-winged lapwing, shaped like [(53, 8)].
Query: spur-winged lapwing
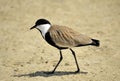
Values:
[(63, 37)]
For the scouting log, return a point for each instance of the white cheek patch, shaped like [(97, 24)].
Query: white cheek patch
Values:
[(44, 28)]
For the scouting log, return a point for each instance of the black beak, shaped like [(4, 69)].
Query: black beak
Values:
[(32, 27)]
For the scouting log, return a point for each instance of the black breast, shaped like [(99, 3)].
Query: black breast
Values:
[(51, 42)]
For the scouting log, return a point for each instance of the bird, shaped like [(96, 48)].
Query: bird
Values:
[(63, 37)]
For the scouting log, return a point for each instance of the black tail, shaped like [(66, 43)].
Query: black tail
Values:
[(95, 42)]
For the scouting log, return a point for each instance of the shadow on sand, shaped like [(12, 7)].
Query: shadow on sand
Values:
[(44, 74)]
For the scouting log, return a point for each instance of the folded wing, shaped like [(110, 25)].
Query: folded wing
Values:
[(66, 37)]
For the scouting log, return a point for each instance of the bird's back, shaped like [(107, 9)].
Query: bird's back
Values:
[(63, 36)]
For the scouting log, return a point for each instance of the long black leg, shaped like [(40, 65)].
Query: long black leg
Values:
[(78, 69), (61, 57)]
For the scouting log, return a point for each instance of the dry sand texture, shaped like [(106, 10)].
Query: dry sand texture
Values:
[(24, 55)]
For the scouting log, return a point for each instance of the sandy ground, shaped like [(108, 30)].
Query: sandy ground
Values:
[(24, 55)]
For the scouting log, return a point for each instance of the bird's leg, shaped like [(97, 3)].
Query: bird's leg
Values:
[(61, 57), (78, 69)]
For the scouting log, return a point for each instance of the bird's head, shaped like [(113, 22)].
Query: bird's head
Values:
[(40, 22)]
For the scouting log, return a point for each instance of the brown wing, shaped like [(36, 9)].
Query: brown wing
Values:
[(66, 37)]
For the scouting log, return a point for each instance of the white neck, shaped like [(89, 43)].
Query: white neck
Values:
[(44, 28)]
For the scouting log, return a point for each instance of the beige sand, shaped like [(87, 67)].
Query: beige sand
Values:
[(24, 55)]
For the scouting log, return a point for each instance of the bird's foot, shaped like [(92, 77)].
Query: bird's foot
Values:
[(77, 71)]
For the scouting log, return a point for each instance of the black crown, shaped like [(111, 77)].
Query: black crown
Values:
[(42, 21)]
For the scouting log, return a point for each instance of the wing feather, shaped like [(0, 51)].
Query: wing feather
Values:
[(66, 37)]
